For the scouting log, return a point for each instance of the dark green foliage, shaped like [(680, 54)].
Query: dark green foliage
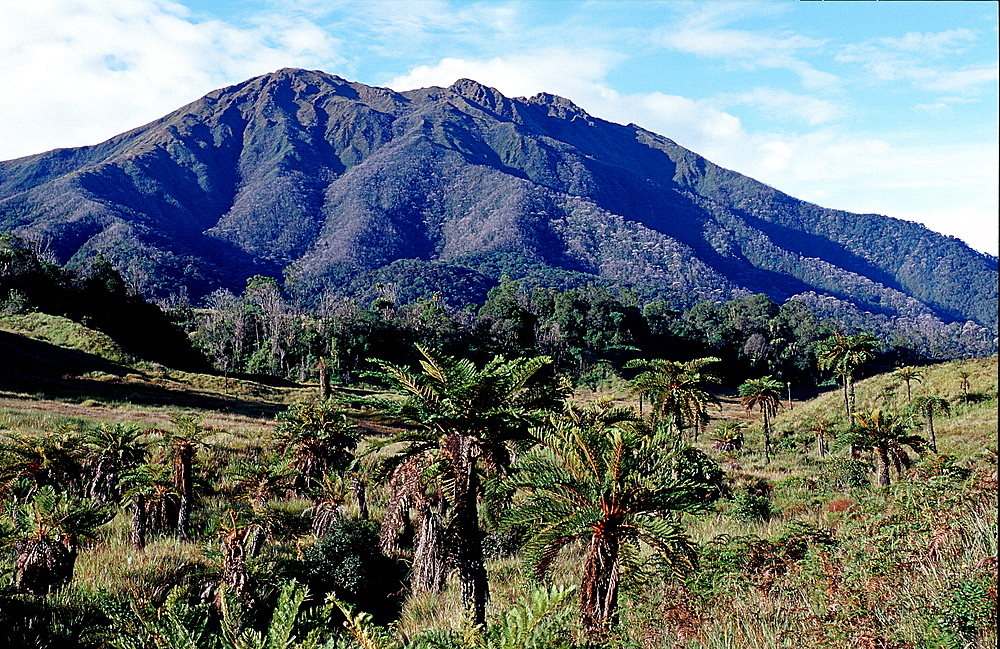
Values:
[(970, 608), (697, 468), (849, 473), (347, 563), (95, 296), (38, 623), (750, 505)]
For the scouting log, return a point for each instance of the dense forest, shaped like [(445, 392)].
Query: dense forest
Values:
[(590, 331)]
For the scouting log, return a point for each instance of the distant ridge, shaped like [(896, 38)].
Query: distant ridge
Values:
[(335, 184)]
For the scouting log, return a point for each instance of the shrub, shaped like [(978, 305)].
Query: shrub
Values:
[(750, 506), (849, 473), (696, 466), (348, 563)]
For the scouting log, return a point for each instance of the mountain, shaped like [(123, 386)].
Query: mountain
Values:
[(332, 183)]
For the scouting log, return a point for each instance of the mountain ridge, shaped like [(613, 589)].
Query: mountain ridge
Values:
[(330, 180)]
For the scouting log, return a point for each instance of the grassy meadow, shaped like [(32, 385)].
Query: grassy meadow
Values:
[(801, 550)]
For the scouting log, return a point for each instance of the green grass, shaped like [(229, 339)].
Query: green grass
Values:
[(64, 332), (836, 564)]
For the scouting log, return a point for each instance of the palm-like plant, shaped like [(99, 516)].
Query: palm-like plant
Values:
[(885, 435), (928, 406), (468, 417), (963, 376), (823, 432), (51, 524), (606, 481), (154, 501), (182, 444), (762, 394), (258, 479), (109, 452), (677, 391), (418, 484), (843, 355), (48, 460), (728, 436), (320, 438), (907, 374)]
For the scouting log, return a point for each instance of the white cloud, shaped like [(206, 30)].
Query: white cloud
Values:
[(704, 32), (917, 58), (781, 105), (79, 71)]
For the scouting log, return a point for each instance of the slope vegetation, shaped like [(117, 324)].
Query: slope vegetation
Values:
[(332, 181)]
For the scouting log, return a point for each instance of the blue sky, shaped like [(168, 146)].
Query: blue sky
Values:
[(885, 107)]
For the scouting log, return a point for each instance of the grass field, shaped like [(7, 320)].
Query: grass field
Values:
[(801, 552)]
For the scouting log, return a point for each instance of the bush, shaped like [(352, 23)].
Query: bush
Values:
[(849, 473), (696, 466), (348, 563), (749, 506), (969, 610)]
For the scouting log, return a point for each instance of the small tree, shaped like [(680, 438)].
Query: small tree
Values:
[(469, 419), (109, 452), (728, 436), (844, 355), (763, 394), (885, 435), (822, 428), (964, 376), (52, 524), (320, 439), (907, 374), (677, 391), (603, 480), (928, 406)]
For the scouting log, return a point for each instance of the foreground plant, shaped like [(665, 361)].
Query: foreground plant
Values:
[(52, 525), (469, 416), (600, 477)]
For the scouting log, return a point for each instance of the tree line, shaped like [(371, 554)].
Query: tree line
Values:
[(590, 332)]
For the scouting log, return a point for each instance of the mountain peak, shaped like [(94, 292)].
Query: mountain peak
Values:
[(484, 95), (559, 106), (342, 179)]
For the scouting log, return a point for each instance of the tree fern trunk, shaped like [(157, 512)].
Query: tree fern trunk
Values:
[(44, 564), (430, 556), (599, 590), (360, 495), (931, 440), (234, 566), (140, 522), (767, 432), (882, 467), (184, 484), (465, 526)]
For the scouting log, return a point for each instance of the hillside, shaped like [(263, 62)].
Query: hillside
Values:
[(52, 364), (800, 551), (340, 186)]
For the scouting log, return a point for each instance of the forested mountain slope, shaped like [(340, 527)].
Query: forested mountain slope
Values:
[(331, 182)]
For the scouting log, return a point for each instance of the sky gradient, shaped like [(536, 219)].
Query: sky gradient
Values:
[(884, 107)]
